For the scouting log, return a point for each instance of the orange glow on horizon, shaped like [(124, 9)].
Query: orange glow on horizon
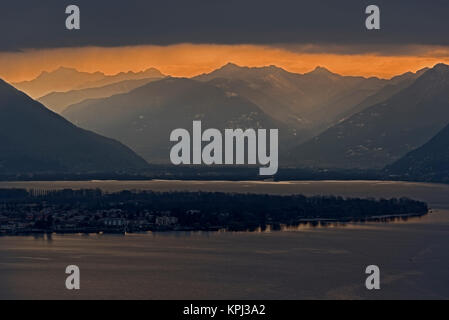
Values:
[(186, 60)]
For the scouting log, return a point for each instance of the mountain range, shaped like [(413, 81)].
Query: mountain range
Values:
[(59, 101), (308, 102), (34, 139), (144, 118), (65, 79), (384, 132), (326, 120)]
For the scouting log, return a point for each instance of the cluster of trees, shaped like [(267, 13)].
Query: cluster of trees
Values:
[(207, 209)]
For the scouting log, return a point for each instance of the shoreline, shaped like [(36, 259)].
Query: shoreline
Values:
[(324, 222)]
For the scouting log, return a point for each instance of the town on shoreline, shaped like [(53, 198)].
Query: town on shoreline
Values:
[(94, 211)]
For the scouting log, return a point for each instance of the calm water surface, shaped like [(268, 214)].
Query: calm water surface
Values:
[(303, 263)]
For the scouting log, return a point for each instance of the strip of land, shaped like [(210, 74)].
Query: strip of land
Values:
[(95, 211)]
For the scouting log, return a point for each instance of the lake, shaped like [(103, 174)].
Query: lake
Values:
[(299, 263)]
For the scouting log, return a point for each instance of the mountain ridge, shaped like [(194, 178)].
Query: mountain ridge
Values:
[(155, 109), (65, 79), (58, 101), (382, 133), (299, 100)]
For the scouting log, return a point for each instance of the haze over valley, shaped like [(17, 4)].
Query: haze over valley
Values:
[(325, 120)]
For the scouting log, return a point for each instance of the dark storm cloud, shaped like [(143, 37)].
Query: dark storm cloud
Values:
[(390, 49), (41, 24)]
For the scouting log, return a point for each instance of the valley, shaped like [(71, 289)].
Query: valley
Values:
[(325, 121)]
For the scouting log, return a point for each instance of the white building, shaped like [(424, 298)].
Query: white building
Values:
[(114, 222), (166, 221)]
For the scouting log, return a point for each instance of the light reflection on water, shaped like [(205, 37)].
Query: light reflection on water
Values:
[(298, 263), (310, 260)]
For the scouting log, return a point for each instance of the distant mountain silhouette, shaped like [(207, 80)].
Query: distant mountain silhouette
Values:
[(429, 162), (58, 101), (146, 74), (309, 101), (34, 139), (144, 118), (61, 79), (382, 133), (65, 79)]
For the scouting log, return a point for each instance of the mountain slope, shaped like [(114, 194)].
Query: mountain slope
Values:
[(144, 118), (394, 86), (34, 139), (381, 134), (429, 162), (58, 101), (304, 101)]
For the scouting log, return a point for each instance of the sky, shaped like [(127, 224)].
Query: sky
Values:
[(189, 37)]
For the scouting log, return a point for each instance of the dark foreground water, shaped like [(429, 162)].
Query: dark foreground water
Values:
[(309, 262)]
